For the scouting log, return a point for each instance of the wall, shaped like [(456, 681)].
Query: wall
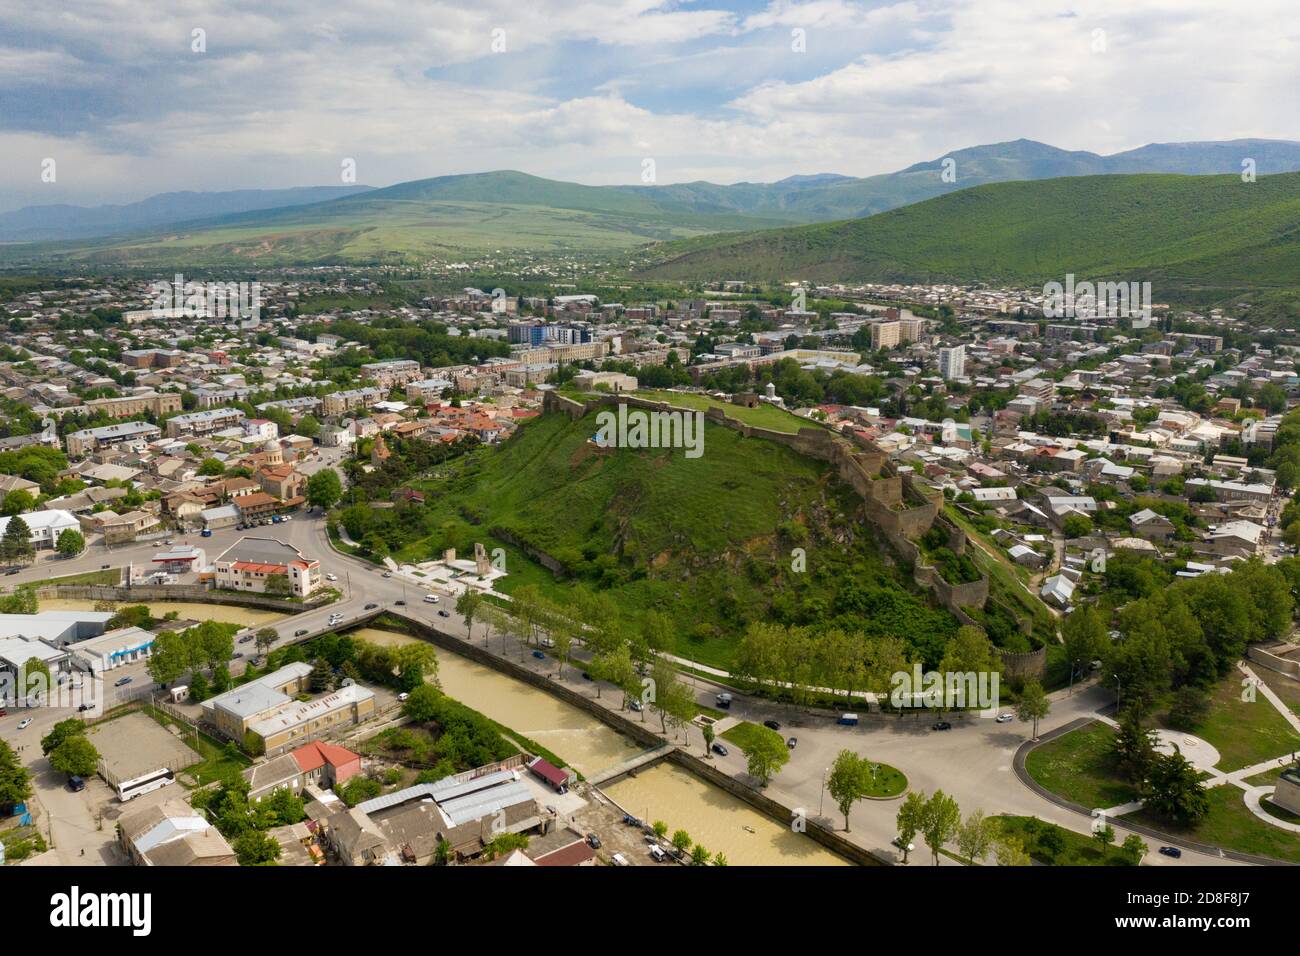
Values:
[(145, 595)]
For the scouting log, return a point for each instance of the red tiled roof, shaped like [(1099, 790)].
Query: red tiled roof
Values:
[(317, 754), (572, 855)]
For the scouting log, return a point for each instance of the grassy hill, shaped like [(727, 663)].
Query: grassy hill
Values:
[(1192, 237), (707, 541)]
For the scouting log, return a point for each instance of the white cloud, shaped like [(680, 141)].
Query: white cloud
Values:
[(112, 90)]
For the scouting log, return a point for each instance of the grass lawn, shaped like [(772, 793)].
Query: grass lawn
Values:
[(1079, 767), (1245, 733), (112, 576), (762, 416), (1077, 849), (746, 735), (1231, 825), (219, 761), (887, 782), (1285, 688)]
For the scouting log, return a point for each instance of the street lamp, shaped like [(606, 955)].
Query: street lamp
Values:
[(821, 803)]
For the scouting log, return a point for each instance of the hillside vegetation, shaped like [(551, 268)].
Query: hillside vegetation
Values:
[(706, 541), (1191, 237)]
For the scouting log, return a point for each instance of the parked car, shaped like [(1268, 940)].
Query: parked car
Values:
[(246, 638), (24, 723), (76, 784), (403, 696), (1004, 718), (371, 607), (941, 725), (634, 704), (300, 632), (443, 613), (791, 742), (12, 571), (237, 655), (848, 720), (205, 533), (547, 642), (720, 750), (657, 853), (772, 724), (122, 681), (898, 842), (593, 841), (620, 860), (1172, 851), (400, 603), (539, 655), (586, 676), (84, 707)]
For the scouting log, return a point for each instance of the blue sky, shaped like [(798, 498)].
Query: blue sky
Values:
[(722, 90)]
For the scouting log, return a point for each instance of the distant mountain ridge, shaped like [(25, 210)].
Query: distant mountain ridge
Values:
[(63, 221), (510, 211)]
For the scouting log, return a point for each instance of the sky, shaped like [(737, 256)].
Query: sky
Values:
[(132, 98)]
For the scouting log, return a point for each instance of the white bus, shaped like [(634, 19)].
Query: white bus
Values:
[(156, 780)]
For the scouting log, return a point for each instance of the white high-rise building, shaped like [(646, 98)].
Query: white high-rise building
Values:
[(952, 362)]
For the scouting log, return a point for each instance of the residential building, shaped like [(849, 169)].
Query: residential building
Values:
[(250, 562)]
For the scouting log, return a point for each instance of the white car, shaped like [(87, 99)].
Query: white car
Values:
[(620, 860), (1004, 718), (24, 723), (331, 577), (431, 599), (403, 695)]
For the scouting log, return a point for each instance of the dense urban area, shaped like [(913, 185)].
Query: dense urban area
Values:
[(373, 569)]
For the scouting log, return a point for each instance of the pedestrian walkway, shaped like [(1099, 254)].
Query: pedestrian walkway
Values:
[(1290, 715)]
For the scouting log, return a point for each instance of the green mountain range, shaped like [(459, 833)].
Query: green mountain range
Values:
[(1193, 237), (450, 218)]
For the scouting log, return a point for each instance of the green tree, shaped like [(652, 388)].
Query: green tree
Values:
[(278, 585), (1173, 790), (1076, 526), (264, 638), (1085, 637), (211, 467), (1135, 848), (71, 542), (254, 848), (976, 837), (939, 822), (15, 781), (15, 544), (700, 856), (1033, 704), (170, 657), (76, 756), (324, 489), (848, 782), (467, 606), (911, 816), (504, 844), (34, 678), (766, 755), (681, 841), (64, 729)]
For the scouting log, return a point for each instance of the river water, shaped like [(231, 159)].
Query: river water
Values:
[(664, 792)]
